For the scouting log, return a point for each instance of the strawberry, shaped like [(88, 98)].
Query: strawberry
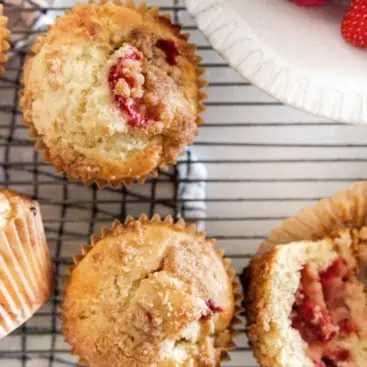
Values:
[(310, 3), (354, 25)]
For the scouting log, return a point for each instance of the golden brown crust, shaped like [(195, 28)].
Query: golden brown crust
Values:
[(4, 37), (94, 168), (109, 26), (22, 247), (256, 282), (269, 287), (165, 275)]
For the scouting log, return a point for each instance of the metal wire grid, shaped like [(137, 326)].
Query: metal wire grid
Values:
[(265, 161), (71, 212)]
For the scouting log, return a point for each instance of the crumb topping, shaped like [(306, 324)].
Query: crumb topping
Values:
[(154, 295)]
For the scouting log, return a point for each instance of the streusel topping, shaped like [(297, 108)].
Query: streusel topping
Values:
[(149, 294)]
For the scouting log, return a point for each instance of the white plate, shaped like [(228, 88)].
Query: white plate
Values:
[(295, 54)]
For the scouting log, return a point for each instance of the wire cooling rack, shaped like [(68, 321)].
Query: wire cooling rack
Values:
[(264, 162)]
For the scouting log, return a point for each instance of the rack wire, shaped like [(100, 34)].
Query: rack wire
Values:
[(264, 162)]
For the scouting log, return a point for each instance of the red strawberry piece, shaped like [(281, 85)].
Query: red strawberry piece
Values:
[(211, 310), (347, 327), (313, 322), (354, 25), (310, 3), (332, 358), (170, 49), (336, 270), (341, 355), (136, 118)]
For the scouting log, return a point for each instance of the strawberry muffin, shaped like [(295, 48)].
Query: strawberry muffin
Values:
[(112, 93), (306, 298), (307, 305), (149, 293)]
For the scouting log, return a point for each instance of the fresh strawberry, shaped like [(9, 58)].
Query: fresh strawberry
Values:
[(310, 3), (354, 25)]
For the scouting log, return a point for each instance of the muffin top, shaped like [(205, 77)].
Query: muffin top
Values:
[(149, 294), (4, 35), (113, 92), (12, 205)]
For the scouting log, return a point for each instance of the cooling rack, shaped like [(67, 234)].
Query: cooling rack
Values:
[(264, 161)]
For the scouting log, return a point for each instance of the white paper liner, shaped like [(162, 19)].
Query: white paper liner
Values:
[(25, 270)]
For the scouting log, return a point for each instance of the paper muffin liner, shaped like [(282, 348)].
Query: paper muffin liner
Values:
[(225, 340), (347, 208), (26, 278), (142, 8), (4, 36)]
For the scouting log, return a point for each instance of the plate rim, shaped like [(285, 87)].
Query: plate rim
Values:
[(325, 102)]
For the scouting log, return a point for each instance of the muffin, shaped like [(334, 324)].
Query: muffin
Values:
[(305, 296), (4, 35), (112, 93), (307, 305), (25, 267), (150, 293)]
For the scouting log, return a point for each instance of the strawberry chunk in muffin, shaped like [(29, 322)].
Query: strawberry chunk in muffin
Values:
[(321, 314), (307, 305), (126, 81)]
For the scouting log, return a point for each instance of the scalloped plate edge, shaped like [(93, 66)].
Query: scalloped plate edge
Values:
[(219, 23)]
